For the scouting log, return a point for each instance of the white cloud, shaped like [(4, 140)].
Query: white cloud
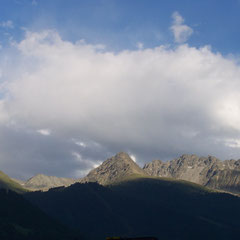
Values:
[(180, 31), (229, 110), (79, 173), (81, 144), (140, 45), (157, 103), (45, 132), (133, 157), (84, 161), (233, 143), (7, 24), (97, 164), (77, 156)]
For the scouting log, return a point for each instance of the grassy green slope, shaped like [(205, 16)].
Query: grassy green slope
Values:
[(7, 183), (137, 206)]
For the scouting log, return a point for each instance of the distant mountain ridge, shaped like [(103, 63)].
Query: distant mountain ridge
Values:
[(207, 171), (43, 182), (111, 170)]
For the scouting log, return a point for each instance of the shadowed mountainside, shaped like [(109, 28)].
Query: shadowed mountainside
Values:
[(138, 206), (20, 220), (132, 203)]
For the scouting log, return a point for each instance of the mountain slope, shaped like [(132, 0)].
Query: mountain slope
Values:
[(43, 182), (20, 220), (139, 206), (114, 169), (7, 183), (131, 203), (227, 180), (89, 207), (207, 171)]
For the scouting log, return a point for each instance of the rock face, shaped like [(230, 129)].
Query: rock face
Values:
[(227, 180), (207, 171), (43, 182), (114, 169), (187, 167)]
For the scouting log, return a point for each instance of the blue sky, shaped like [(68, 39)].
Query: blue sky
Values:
[(120, 24), (83, 80)]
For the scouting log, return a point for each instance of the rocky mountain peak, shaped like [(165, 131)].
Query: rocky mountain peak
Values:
[(44, 182), (187, 156), (113, 169), (123, 155)]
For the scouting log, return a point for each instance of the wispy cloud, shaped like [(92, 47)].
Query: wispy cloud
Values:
[(133, 157), (140, 45), (7, 24), (81, 144), (180, 31), (45, 132)]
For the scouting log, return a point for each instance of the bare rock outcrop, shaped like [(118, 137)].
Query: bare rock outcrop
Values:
[(114, 169), (207, 171), (43, 182)]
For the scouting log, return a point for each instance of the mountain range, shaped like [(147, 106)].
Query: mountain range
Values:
[(130, 202), (206, 171), (119, 198)]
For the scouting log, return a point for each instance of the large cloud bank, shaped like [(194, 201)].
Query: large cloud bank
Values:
[(66, 106)]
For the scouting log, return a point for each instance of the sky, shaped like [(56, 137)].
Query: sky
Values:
[(81, 80)]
